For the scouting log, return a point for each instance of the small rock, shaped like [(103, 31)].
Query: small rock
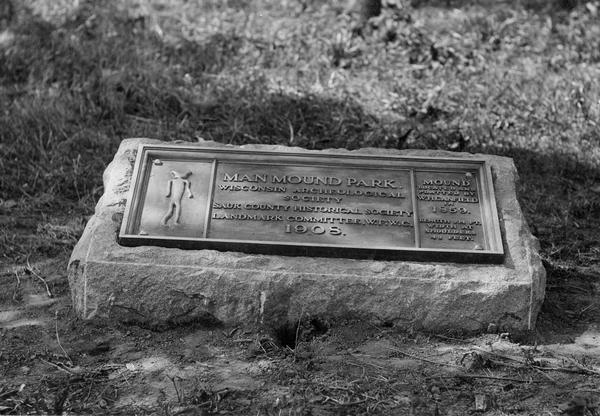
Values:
[(483, 402), (280, 402), (288, 372), (473, 361), (492, 328), (8, 204)]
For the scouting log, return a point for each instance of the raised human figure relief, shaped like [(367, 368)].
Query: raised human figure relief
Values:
[(177, 187)]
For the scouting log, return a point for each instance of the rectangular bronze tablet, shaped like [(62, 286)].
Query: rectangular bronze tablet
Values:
[(313, 204)]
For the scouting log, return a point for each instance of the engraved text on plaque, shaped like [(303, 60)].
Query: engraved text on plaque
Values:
[(315, 204)]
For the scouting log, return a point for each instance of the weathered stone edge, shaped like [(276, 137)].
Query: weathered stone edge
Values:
[(111, 203)]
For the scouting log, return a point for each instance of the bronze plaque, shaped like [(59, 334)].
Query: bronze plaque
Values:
[(313, 204)]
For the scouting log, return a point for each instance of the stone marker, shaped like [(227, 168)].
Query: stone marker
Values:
[(261, 235)]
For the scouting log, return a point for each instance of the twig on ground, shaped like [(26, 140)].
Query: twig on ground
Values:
[(464, 341), (416, 357), (11, 392), (142, 119), (33, 272), (233, 331), (17, 286), (552, 380), (89, 392), (66, 370), (179, 395), (352, 403), (242, 340), (579, 370), (361, 365), (464, 375), (261, 346), (327, 398), (298, 332), (337, 388), (582, 368), (58, 339)]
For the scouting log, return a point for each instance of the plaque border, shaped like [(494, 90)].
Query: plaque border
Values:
[(489, 212)]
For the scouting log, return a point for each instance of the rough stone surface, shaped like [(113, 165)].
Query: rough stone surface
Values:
[(160, 287)]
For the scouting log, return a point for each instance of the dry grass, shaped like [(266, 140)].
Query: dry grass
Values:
[(511, 81)]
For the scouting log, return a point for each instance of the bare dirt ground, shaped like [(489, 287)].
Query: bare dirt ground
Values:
[(54, 363), (515, 79)]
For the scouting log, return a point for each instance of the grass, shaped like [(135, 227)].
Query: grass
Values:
[(513, 81)]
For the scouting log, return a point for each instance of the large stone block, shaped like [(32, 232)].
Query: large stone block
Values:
[(161, 286)]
